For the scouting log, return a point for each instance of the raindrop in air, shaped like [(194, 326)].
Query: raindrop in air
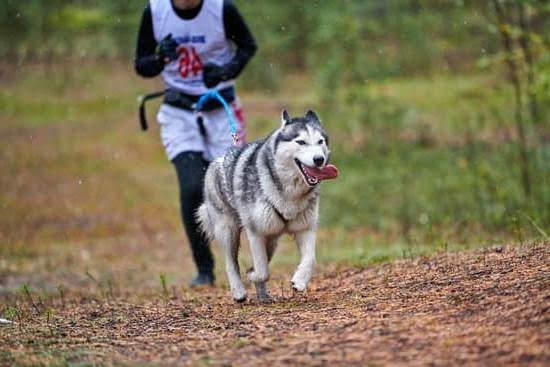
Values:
[(423, 219)]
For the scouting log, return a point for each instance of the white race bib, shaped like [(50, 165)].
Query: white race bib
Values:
[(200, 40)]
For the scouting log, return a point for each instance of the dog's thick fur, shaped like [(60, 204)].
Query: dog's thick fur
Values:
[(262, 188)]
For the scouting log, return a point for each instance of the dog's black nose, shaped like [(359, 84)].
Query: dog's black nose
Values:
[(318, 160)]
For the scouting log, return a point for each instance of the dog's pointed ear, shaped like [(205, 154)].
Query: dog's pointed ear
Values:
[(312, 116), (285, 118)]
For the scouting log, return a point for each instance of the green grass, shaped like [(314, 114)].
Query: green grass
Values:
[(420, 171), (439, 189), (452, 103), (426, 160)]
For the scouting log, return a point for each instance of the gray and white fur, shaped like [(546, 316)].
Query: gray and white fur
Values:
[(263, 188)]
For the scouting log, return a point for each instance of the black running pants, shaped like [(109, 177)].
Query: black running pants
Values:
[(191, 168)]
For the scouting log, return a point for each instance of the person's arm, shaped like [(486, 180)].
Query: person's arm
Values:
[(147, 63), (238, 32)]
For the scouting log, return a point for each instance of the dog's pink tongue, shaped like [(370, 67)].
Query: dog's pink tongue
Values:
[(326, 173)]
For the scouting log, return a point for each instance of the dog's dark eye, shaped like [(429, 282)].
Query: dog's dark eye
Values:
[(320, 142), (300, 142)]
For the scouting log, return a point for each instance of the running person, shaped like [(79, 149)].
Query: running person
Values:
[(197, 45)]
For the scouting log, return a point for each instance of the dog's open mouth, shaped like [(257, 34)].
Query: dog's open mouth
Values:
[(312, 175)]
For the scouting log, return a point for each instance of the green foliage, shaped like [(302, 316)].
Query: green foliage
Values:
[(541, 88), (424, 142), (414, 161), (341, 43), (164, 286), (358, 38), (11, 313), (410, 188), (39, 31)]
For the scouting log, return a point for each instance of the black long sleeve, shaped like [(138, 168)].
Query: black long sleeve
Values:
[(148, 64), (237, 31)]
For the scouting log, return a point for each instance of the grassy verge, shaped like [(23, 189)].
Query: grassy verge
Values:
[(413, 180)]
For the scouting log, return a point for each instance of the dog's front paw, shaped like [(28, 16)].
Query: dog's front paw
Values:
[(298, 284), (239, 294), (240, 300), (298, 287), (301, 278)]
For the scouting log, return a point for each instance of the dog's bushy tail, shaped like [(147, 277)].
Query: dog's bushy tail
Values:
[(205, 221)]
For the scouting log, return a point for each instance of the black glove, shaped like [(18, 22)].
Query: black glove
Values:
[(212, 74), (167, 49)]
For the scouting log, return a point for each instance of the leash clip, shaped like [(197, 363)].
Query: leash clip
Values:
[(214, 94)]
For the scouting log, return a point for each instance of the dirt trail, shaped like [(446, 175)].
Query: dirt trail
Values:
[(485, 307)]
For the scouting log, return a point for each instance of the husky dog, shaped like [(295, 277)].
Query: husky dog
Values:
[(268, 187)]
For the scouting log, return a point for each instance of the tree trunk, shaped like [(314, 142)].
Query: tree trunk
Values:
[(515, 79), (524, 41)]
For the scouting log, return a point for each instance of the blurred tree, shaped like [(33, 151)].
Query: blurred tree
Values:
[(342, 43), (527, 64), (504, 26)]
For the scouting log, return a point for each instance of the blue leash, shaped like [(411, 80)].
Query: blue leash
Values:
[(214, 94)]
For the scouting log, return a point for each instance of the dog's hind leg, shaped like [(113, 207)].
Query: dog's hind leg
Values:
[(306, 244), (260, 272), (261, 288), (230, 242), (271, 247), (270, 250)]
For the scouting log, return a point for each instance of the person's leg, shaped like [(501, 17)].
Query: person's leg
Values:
[(190, 168), (184, 146)]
